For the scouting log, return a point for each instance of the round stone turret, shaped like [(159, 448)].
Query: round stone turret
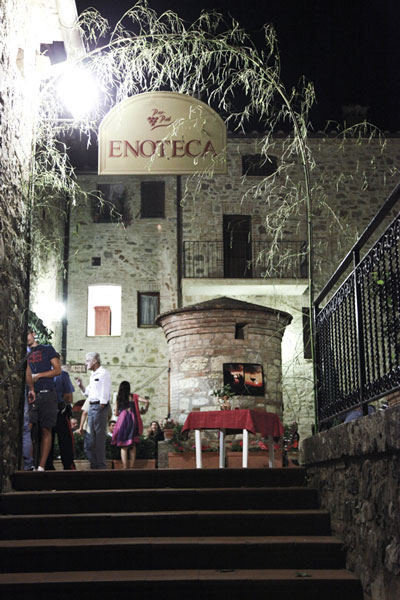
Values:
[(216, 342)]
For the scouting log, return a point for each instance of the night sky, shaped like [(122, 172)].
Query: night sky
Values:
[(349, 49)]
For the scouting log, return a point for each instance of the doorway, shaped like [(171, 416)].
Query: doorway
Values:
[(237, 246)]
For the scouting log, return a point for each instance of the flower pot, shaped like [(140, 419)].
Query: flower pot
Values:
[(168, 434), (187, 460), (256, 460), (140, 463)]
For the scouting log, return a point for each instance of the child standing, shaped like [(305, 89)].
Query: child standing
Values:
[(129, 426)]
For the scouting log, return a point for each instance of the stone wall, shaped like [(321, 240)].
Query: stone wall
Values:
[(15, 131), (356, 468), (23, 27)]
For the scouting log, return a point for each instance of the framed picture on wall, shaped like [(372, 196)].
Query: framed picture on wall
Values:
[(245, 379)]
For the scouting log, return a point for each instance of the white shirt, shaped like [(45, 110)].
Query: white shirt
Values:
[(99, 388)]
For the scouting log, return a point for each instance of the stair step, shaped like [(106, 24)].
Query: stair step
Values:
[(157, 478), (239, 583), (158, 499), (250, 552), (192, 523)]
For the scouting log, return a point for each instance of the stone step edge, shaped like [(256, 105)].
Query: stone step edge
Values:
[(173, 513), (294, 489), (310, 540), (152, 576)]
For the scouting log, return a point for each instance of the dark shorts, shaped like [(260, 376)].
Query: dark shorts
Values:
[(43, 411)]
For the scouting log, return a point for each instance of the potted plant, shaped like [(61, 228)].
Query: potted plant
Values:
[(183, 454), (145, 455), (223, 396), (258, 454), (168, 426)]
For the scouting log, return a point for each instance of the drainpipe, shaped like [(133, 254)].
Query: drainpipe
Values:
[(179, 239), (64, 323), (68, 16)]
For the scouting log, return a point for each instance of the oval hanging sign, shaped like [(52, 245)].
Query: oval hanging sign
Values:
[(162, 133)]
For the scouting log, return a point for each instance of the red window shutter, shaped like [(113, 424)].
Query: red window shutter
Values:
[(102, 320)]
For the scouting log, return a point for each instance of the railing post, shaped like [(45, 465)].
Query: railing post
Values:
[(359, 332)]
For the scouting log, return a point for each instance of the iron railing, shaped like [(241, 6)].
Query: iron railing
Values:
[(214, 259), (357, 333)]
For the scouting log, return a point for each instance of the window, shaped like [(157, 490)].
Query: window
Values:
[(148, 308), (256, 165), (239, 331), (306, 333), (96, 261), (104, 310), (113, 206), (152, 200)]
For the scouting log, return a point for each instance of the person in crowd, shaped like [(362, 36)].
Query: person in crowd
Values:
[(84, 430), (129, 426), (155, 433), (98, 393), (111, 427), (356, 413), (63, 429), (27, 449), (74, 424), (43, 365)]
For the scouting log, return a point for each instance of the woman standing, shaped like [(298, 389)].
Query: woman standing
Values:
[(129, 426)]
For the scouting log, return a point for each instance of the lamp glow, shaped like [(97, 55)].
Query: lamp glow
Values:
[(78, 91)]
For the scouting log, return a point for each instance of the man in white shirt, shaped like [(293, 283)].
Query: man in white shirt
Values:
[(98, 392)]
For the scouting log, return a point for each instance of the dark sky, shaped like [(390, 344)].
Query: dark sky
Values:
[(349, 48)]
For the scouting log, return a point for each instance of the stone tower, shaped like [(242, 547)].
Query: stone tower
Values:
[(206, 339)]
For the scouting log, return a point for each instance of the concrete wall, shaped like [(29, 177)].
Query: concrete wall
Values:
[(356, 468)]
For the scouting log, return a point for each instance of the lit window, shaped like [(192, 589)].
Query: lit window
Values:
[(152, 200), (104, 310), (148, 308)]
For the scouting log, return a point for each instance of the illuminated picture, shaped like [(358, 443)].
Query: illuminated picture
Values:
[(245, 379)]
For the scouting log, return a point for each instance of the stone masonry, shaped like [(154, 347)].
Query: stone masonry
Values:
[(201, 338), (356, 468), (350, 182)]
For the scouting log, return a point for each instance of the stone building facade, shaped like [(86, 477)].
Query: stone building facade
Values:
[(168, 254)]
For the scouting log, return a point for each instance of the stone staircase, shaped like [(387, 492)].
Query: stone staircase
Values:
[(166, 533)]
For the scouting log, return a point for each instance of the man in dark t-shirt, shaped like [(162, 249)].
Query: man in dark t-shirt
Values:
[(43, 364)]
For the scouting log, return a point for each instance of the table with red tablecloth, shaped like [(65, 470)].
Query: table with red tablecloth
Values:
[(231, 422)]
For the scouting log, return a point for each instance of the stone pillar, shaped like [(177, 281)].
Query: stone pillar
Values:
[(204, 336)]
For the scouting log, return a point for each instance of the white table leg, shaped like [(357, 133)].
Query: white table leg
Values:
[(197, 437), (221, 448), (245, 449), (271, 451)]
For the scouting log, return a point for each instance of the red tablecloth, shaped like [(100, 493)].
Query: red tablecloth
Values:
[(234, 421)]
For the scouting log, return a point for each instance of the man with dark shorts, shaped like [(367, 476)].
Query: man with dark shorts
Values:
[(64, 389), (43, 365)]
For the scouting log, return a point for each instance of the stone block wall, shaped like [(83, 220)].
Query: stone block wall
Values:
[(356, 468), (16, 88), (140, 257)]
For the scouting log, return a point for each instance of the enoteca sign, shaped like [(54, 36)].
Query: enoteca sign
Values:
[(162, 133)]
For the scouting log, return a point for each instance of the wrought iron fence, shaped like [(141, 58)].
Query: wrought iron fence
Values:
[(214, 259), (357, 333)]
